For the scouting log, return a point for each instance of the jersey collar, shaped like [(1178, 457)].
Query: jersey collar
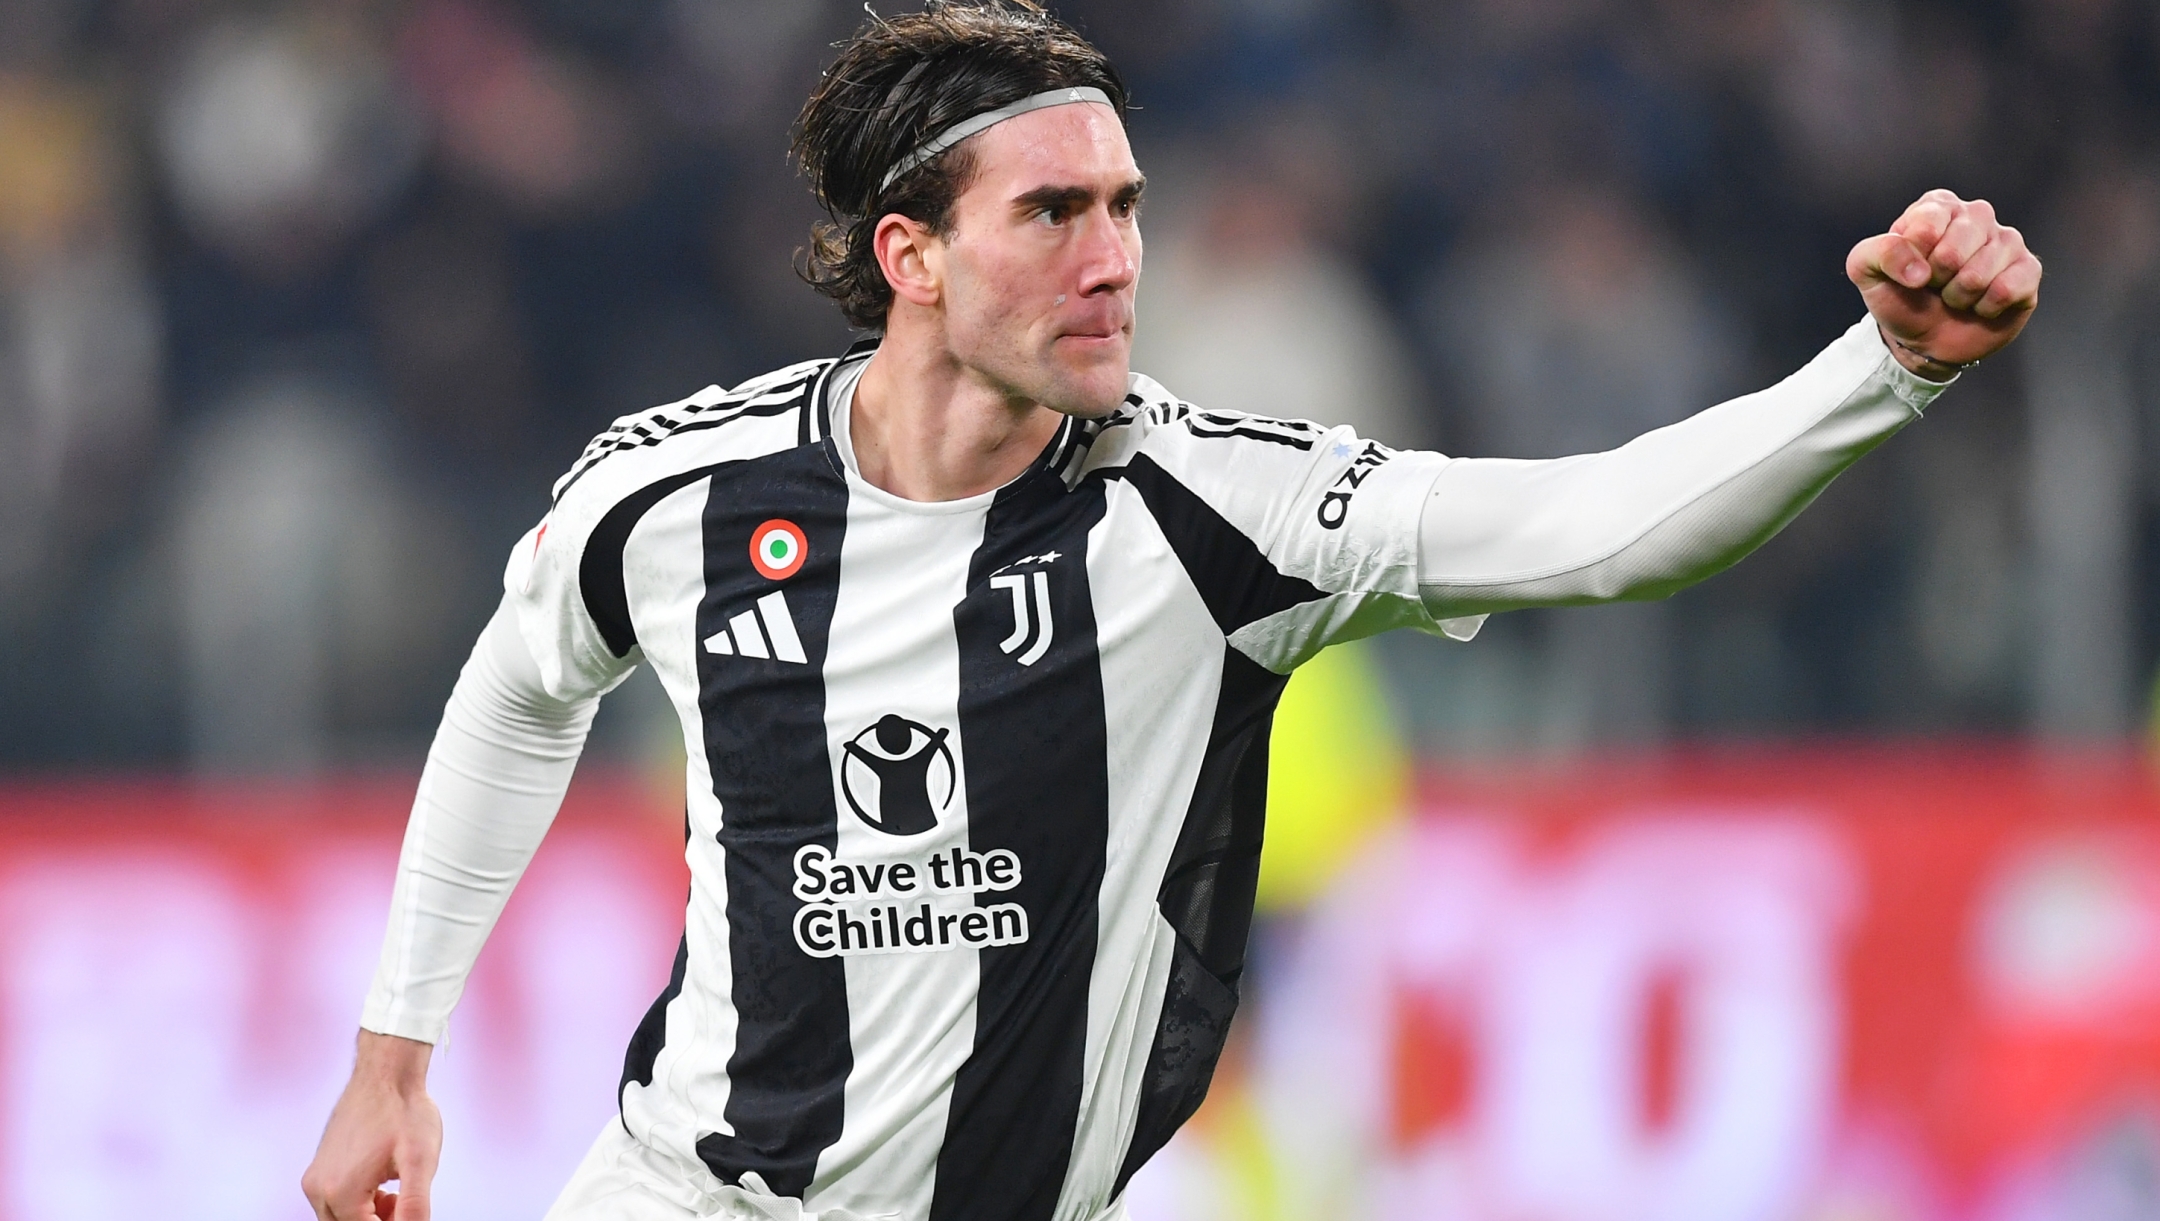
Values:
[(817, 421)]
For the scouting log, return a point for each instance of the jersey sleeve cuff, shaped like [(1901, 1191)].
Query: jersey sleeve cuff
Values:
[(1905, 385), (375, 1018)]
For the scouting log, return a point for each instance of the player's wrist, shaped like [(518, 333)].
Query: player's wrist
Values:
[(1919, 363), (392, 1062)]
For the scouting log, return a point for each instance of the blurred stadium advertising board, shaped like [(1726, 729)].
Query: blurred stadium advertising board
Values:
[(1788, 987), (181, 973), (1821, 987)]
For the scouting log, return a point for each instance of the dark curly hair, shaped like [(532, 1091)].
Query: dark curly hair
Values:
[(897, 83)]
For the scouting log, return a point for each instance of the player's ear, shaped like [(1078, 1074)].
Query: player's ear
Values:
[(911, 257)]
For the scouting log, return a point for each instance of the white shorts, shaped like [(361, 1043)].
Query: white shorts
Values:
[(624, 1180)]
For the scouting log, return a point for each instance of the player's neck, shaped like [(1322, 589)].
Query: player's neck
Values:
[(924, 427)]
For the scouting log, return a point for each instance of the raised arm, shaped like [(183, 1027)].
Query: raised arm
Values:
[(1668, 508), (494, 779), (1946, 286)]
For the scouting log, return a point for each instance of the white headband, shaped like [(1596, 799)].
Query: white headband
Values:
[(989, 118)]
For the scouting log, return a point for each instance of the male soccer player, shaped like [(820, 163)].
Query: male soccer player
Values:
[(975, 637)]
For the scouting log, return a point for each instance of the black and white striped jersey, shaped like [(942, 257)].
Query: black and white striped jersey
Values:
[(975, 787)]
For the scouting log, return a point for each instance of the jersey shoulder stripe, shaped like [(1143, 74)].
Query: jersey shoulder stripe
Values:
[(1151, 404), (600, 565), (773, 394), (647, 457), (1148, 403), (1296, 434)]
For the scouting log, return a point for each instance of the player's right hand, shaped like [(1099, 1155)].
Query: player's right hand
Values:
[(1949, 283), (384, 1127)]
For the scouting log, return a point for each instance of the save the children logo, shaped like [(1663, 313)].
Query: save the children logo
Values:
[(898, 775), (910, 905)]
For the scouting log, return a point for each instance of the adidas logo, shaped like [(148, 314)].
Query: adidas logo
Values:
[(767, 631)]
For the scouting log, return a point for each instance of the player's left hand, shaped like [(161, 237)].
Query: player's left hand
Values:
[(1948, 284)]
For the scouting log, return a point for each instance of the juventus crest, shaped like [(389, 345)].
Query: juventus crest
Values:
[(1033, 626)]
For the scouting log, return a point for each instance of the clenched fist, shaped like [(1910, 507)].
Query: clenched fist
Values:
[(1948, 285)]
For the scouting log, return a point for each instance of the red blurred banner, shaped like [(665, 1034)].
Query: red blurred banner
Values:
[(181, 971), (1831, 984), (1775, 987)]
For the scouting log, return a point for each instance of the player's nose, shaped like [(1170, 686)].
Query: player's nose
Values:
[(1109, 263)]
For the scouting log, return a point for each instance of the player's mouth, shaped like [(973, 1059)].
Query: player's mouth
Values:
[(1089, 336)]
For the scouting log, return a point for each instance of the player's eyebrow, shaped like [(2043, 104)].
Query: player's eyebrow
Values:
[(1072, 198)]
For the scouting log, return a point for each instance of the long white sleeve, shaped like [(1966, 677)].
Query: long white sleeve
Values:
[(1667, 509), (494, 779)]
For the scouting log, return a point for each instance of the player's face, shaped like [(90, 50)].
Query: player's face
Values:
[(1043, 264)]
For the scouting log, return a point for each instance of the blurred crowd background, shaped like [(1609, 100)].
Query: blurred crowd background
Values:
[(304, 304)]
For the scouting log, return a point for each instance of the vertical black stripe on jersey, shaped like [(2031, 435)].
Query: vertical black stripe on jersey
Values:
[(651, 1032), (764, 723), (1036, 750), (1207, 891), (1207, 896)]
